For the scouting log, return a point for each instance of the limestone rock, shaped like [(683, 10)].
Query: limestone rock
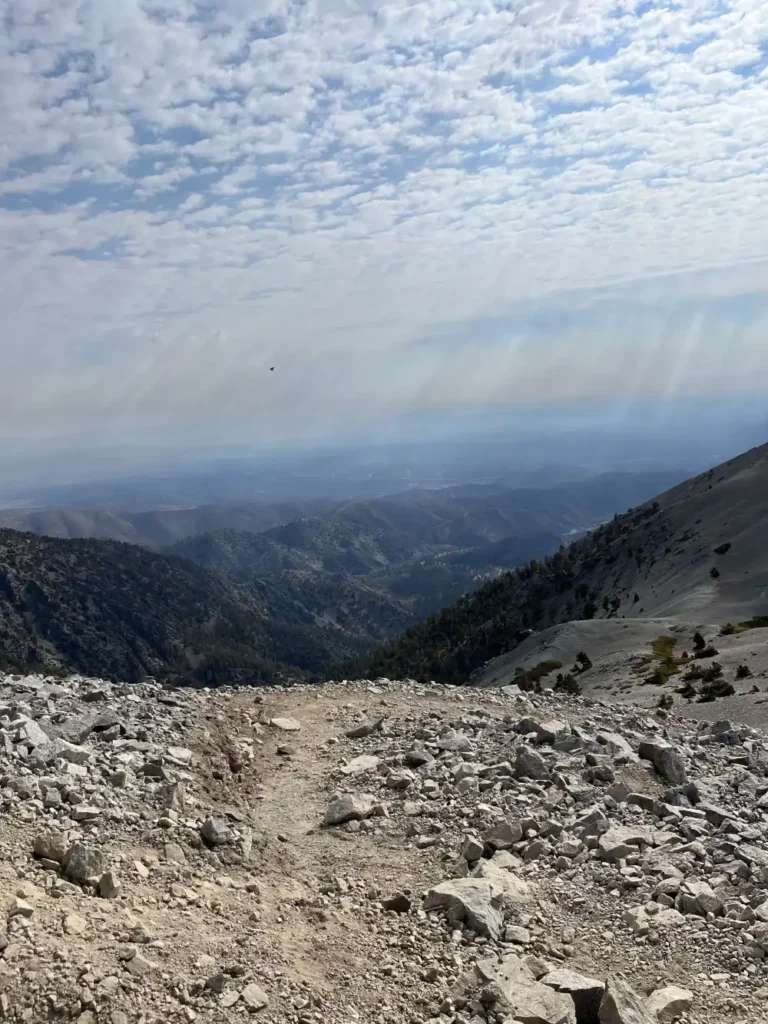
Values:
[(503, 834), (365, 729), (74, 924), (622, 1005), (665, 759), (140, 966), (349, 807), (620, 841), (530, 765), (109, 885), (471, 900), (642, 922), (669, 1003), (587, 993), (513, 991), (513, 889), (51, 846), (698, 897), (216, 832), (254, 997), (285, 724), (360, 765), (82, 862)]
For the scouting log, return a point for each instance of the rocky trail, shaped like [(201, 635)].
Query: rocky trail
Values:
[(376, 852)]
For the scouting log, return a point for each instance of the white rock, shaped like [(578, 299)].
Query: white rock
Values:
[(360, 765), (669, 1003), (349, 807), (285, 724)]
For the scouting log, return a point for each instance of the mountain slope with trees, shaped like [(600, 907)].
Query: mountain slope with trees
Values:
[(118, 611), (696, 549)]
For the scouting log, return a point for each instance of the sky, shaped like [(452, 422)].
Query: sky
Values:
[(405, 208)]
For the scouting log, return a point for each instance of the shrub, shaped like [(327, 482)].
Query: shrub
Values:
[(666, 701), (687, 690), (714, 689), (698, 641), (743, 672), (714, 572), (707, 652), (584, 661), (530, 679), (568, 684), (656, 678), (714, 672)]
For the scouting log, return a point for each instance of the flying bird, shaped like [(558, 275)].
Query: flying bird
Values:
[(271, 368)]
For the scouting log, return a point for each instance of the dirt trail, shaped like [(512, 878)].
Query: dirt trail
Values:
[(296, 861)]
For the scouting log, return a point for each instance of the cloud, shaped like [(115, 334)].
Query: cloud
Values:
[(192, 192)]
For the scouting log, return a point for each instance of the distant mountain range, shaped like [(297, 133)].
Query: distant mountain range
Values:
[(235, 605), (369, 569), (697, 551), (157, 529), (363, 536)]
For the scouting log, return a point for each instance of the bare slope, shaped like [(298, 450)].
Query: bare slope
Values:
[(697, 552)]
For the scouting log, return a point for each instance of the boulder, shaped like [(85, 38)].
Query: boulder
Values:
[(513, 992), (622, 1005), (61, 749), (109, 885), (503, 834), (360, 765), (216, 832), (51, 846), (667, 761), (83, 862), (548, 732), (641, 921), (471, 849), (400, 780), (471, 900), (587, 993), (174, 854), (620, 841), (530, 765), (616, 745), (696, 897), (254, 997), (285, 724), (349, 807), (669, 1003), (513, 889), (74, 924), (29, 732), (365, 729), (416, 757)]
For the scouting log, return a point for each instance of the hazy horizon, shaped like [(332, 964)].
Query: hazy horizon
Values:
[(428, 451)]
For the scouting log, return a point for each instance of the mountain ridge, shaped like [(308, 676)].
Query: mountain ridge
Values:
[(696, 550)]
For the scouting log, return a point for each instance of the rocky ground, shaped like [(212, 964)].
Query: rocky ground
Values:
[(376, 852)]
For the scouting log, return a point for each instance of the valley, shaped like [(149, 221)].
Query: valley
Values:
[(253, 600)]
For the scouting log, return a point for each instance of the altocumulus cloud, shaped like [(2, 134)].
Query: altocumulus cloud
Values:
[(402, 205)]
